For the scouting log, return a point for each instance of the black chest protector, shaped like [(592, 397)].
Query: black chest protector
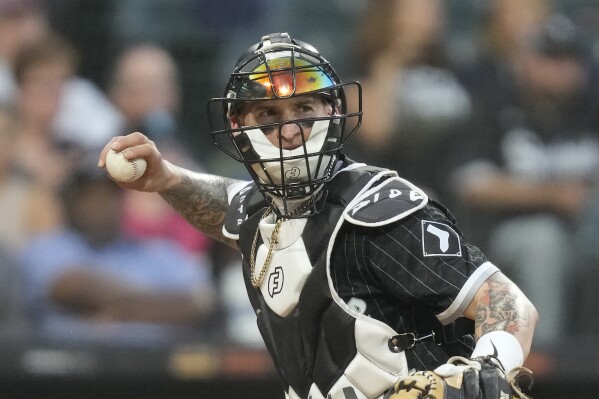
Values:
[(321, 347)]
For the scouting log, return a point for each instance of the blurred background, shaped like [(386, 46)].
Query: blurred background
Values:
[(492, 106)]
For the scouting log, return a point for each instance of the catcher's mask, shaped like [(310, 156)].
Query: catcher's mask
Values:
[(276, 69)]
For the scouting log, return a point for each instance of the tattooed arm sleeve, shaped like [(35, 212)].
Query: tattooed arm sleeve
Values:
[(202, 200), (499, 305)]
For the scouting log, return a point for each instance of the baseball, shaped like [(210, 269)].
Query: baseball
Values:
[(122, 169)]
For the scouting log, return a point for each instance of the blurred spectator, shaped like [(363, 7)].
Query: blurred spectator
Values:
[(505, 30), (532, 161), (25, 208), (412, 100), (89, 283), (84, 114), (41, 72), (145, 88), (23, 211), (22, 22), (45, 75)]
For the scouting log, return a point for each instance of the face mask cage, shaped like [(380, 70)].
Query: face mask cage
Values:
[(287, 177), (292, 174)]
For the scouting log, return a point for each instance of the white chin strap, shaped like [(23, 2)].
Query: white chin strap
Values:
[(294, 170)]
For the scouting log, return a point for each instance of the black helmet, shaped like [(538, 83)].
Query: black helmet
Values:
[(279, 67)]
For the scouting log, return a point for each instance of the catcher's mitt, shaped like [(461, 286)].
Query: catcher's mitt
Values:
[(460, 378)]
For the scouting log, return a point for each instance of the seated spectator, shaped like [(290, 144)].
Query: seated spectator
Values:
[(90, 283), (22, 22), (42, 71), (504, 30), (84, 115), (25, 208), (413, 102), (531, 166), (145, 88)]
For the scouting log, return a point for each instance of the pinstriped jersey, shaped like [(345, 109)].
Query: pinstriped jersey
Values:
[(409, 274), (378, 260)]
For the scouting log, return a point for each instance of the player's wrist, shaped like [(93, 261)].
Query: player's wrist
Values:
[(172, 176), (502, 345)]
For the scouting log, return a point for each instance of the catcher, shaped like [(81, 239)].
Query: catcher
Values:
[(362, 285)]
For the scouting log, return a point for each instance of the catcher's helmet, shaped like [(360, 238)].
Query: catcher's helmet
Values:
[(278, 68)]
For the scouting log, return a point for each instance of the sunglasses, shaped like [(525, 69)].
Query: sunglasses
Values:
[(284, 77)]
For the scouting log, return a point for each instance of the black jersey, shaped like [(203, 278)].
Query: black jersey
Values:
[(337, 291), (409, 274)]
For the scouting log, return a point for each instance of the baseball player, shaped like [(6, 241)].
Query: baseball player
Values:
[(362, 285)]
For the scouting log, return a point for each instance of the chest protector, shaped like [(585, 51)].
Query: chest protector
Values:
[(321, 347)]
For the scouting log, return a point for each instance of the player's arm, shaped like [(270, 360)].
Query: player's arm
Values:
[(504, 324), (500, 307), (200, 198)]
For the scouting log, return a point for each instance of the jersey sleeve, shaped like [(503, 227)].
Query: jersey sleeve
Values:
[(425, 259)]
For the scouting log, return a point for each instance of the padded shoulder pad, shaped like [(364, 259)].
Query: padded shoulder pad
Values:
[(239, 208), (385, 202)]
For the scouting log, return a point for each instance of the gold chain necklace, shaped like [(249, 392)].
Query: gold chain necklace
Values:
[(257, 281)]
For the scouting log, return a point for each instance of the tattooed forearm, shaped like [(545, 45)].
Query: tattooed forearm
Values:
[(500, 309), (202, 200)]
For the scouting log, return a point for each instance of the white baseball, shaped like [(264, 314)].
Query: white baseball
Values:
[(122, 169)]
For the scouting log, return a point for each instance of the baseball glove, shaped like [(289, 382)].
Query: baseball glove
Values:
[(460, 378)]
